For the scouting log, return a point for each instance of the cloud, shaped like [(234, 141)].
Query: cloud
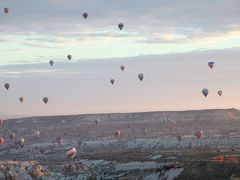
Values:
[(152, 21)]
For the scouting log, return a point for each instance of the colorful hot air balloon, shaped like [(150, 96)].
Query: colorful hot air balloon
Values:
[(199, 134), (205, 92), (19, 142), (59, 140), (6, 10), (1, 140), (69, 57), (179, 137), (117, 133), (36, 134), (12, 136), (85, 15), (120, 26), (21, 99), (7, 86), (71, 152), (220, 93), (140, 76), (45, 100), (211, 64), (122, 67), (112, 81), (51, 62)]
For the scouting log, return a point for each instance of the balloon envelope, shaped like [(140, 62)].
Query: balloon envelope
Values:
[(205, 92), (45, 100), (120, 26), (1, 140), (12, 136), (199, 134), (122, 67), (140, 76), (211, 64), (219, 93), (51, 62), (112, 81), (117, 133), (71, 152), (21, 99), (6, 10), (85, 15), (7, 86), (69, 57)]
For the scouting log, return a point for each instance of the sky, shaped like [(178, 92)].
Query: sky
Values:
[(170, 41)]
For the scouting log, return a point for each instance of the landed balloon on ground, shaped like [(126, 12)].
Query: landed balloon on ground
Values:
[(205, 92), (120, 26), (85, 15), (19, 142), (1, 140), (117, 133), (36, 134), (199, 134), (45, 100), (1, 122), (12, 136), (71, 152), (97, 121)]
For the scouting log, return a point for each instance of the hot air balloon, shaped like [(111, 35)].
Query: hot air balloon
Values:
[(97, 121), (140, 76), (179, 137), (6, 10), (7, 86), (211, 64), (172, 123), (205, 92), (1, 140), (69, 57), (120, 26), (51, 62), (199, 134), (122, 67), (112, 81), (71, 152), (145, 131), (12, 136), (85, 15), (19, 142), (59, 140), (220, 93), (21, 99), (45, 100), (1, 122), (117, 133), (36, 134)]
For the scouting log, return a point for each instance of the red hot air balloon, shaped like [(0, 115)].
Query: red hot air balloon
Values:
[(117, 133), (1, 140), (199, 134), (71, 152)]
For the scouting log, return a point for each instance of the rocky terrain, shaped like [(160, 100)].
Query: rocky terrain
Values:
[(136, 154)]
